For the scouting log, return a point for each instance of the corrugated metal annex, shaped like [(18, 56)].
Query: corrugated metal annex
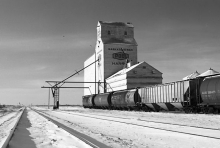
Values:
[(138, 75)]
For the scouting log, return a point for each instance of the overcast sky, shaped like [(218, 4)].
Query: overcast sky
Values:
[(44, 40)]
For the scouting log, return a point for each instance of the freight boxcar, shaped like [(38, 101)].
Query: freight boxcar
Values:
[(102, 100), (125, 99), (210, 93), (170, 96)]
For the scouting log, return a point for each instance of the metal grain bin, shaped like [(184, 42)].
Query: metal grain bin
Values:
[(102, 100), (210, 91), (125, 98)]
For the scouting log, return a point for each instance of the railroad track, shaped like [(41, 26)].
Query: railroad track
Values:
[(7, 117), (4, 114), (170, 128), (13, 124), (184, 125), (88, 140)]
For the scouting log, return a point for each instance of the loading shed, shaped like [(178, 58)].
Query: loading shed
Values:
[(132, 76)]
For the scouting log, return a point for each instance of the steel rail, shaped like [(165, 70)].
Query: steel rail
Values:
[(148, 126), (152, 121), (88, 140)]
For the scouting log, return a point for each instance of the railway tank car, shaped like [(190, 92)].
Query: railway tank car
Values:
[(125, 99), (102, 100), (210, 94), (88, 101)]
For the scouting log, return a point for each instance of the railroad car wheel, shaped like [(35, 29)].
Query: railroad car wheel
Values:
[(216, 111), (187, 110), (206, 110), (211, 110), (130, 109), (146, 109), (195, 110)]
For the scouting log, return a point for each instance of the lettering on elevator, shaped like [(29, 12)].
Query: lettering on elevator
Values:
[(120, 49), (120, 56)]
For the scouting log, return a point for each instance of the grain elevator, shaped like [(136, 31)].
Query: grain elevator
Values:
[(117, 66)]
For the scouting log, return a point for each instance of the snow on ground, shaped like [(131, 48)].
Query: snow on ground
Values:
[(201, 120), (46, 134), (43, 132), (122, 135)]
